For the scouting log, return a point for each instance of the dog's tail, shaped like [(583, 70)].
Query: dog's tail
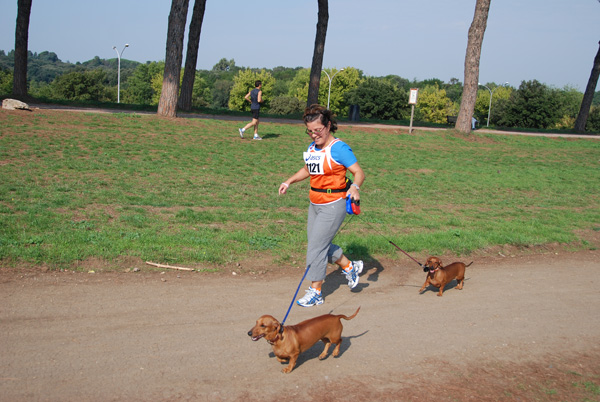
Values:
[(351, 317), (469, 264)]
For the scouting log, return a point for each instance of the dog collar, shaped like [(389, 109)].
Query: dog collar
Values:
[(272, 342)]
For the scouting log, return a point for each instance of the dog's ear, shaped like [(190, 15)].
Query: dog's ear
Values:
[(273, 324)]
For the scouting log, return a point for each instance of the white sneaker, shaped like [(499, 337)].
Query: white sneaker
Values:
[(311, 298), (358, 265), (241, 132), (352, 275), (256, 137)]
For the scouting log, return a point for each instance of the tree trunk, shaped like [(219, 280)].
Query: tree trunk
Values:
[(21, 44), (189, 73), (476, 31), (588, 96), (167, 105), (317, 61)]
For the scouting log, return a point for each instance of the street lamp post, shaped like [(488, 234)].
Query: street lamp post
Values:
[(331, 79), (491, 95), (119, 71)]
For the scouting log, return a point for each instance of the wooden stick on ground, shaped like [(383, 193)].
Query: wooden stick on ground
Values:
[(168, 266)]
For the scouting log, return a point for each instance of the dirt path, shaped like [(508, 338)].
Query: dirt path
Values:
[(151, 336), (342, 122)]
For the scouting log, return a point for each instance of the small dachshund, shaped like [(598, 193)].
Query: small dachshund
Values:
[(292, 340), (439, 276)]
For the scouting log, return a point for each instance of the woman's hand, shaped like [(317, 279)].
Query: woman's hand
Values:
[(353, 193), (283, 188)]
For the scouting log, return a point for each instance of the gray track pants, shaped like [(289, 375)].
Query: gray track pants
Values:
[(323, 223)]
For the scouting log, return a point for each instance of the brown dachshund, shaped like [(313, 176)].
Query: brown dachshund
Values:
[(439, 276), (295, 339)]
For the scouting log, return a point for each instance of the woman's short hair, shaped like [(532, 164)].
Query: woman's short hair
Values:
[(312, 112)]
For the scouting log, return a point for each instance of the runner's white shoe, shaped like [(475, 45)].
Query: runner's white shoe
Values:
[(311, 298), (352, 275)]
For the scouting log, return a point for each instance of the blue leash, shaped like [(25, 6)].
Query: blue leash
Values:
[(294, 298)]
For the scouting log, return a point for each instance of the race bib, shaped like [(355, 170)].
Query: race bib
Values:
[(314, 162)]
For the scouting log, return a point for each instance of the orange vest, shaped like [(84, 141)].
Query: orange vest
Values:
[(325, 173)]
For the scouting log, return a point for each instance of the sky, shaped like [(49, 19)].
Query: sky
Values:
[(552, 41)]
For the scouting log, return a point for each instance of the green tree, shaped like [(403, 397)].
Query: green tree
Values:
[(569, 100), (593, 121), (283, 77), (5, 61), (201, 96), (244, 82), (219, 94), (379, 99), (40, 89), (401, 83), (298, 87), (157, 85), (286, 105), (454, 89), (281, 88), (433, 105), (430, 82), (6, 82), (138, 88), (81, 85), (482, 104), (285, 73), (224, 65), (342, 83), (533, 105)]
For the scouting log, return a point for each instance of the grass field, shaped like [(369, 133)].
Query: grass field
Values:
[(78, 186)]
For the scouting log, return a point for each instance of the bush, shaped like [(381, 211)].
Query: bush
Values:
[(286, 105), (201, 95), (533, 105), (433, 105), (379, 99), (138, 87), (593, 122), (220, 94), (6, 82), (86, 85), (501, 93)]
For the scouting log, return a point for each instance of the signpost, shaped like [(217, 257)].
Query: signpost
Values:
[(412, 100)]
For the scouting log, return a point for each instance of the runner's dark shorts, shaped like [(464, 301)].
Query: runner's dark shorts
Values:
[(255, 113)]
